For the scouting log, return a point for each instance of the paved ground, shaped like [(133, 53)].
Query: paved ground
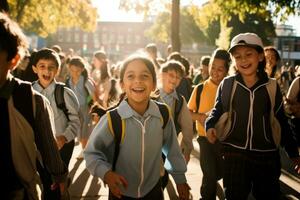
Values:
[(86, 187)]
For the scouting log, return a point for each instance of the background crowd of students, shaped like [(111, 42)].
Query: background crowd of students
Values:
[(247, 159)]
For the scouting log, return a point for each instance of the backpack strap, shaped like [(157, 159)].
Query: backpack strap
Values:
[(275, 125), (177, 109), (59, 98), (271, 88), (23, 101), (226, 97), (117, 128), (198, 95), (164, 111)]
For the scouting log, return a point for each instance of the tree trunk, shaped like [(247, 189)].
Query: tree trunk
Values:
[(175, 26)]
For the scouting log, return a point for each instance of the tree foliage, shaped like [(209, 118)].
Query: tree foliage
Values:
[(43, 17), (190, 33)]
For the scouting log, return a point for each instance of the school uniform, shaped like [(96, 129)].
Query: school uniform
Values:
[(250, 154), (184, 119), (63, 127), (210, 155), (83, 90), (139, 158), (14, 139)]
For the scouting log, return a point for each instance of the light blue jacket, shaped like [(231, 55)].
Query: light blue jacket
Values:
[(140, 154), (69, 129)]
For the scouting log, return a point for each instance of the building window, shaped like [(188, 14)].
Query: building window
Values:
[(137, 39), (76, 37), (128, 39), (121, 39), (60, 37), (104, 38), (85, 37)]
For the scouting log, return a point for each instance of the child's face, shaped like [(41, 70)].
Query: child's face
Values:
[(170, 80), (246, 59), (46, 69), (137, 83), (75, 71), (217, 70), (97, 63), (5, 66)]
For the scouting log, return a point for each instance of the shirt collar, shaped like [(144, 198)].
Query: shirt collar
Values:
[(164, 94), (49, 90), (125, 111)]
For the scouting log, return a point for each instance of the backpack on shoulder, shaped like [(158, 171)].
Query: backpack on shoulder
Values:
[(24, 151), (223, 126)]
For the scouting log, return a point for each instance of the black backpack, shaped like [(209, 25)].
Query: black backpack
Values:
[(117, 127), (178, 106), (198, 95), (59, 98)]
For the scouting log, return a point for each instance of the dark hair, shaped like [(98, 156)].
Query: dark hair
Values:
[(173, 65), (223, 55), (98, 109), (205, 60), (186, 64), (101, 55), (12, 39), (79, 62), (48, 54), (56, 48), (149, 64), (113, 94), (272, 48), (151, 48), (174, 56)]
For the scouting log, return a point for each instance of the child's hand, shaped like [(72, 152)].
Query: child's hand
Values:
[(115, 182), (296, 162), (60, 141), (183, 191), (211, 135)]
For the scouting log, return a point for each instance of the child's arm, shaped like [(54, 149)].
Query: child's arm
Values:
[(74, 124), (186, 124), (175, 163)]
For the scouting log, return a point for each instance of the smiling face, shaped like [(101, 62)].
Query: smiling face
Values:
[(170, 80), (46, 69), (246, 60), (75, 71), (217, 70), (138, 84)]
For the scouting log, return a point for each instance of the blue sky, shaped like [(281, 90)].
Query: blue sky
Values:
[(109, 11)]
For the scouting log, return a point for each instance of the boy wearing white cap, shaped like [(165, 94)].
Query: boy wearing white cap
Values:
[(250, 148)]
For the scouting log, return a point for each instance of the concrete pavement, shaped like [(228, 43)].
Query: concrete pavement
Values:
[(86, 187)]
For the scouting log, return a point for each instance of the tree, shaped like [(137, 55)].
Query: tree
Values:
[(148, 7), (44, 17), (190, 33)]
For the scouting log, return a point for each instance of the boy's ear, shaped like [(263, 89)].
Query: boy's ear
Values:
[(14, 61), (34, 69)]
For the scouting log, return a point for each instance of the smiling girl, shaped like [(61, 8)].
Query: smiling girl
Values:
[(138, 175)]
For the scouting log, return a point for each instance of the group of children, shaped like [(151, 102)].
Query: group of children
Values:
[(247, 158)]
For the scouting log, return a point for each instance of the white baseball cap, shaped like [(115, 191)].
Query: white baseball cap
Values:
[(246, 39)]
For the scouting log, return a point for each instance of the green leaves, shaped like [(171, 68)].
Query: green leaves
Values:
[(44, 17)]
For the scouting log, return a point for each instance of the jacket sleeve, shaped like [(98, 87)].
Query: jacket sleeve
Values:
[(288, 141), (217, 110), (174, 163), (44, 130), (186, 123), (99, 150), (74, 125)]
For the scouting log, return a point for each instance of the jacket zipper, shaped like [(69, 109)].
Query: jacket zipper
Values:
[(142, 151)]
